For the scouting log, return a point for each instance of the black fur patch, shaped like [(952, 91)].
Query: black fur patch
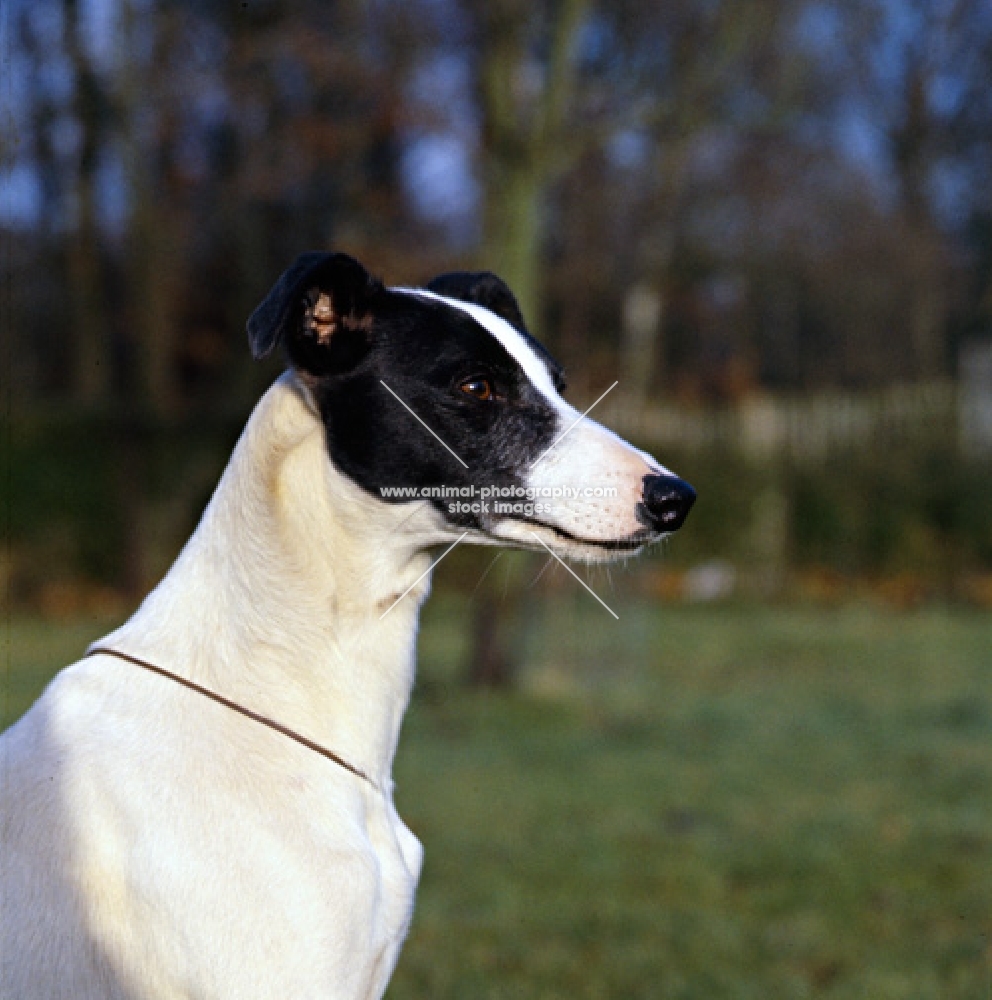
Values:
[(423, 350)]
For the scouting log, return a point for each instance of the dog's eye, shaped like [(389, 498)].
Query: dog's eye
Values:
[(477, 387)]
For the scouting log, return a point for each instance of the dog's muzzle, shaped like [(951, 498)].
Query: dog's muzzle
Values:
[(666, 503)]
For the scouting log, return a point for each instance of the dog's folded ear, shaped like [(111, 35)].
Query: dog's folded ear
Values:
[(316, 298), (483, 289)]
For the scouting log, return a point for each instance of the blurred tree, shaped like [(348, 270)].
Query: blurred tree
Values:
[(93, 361), (908, 85), (797, 194), (682, 88), (154, 68), (526, 78)]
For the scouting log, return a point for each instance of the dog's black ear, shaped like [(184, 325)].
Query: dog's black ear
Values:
[(482, 288), (317, 297)]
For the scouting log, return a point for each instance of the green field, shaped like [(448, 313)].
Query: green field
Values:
[(692, 802)]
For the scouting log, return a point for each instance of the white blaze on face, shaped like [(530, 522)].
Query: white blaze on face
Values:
[(588, 484), (513, 343)]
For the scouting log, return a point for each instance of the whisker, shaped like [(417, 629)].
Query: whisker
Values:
[(495, 559), (547, 562)]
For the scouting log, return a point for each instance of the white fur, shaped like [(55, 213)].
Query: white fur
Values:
[(154, 843), (157, 845)]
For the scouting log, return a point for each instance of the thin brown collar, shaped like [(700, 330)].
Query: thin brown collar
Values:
[(235, 707)]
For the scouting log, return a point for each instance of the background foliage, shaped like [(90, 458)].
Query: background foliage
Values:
[(710, 202)]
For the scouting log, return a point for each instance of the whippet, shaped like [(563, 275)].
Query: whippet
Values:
[(202, 806)]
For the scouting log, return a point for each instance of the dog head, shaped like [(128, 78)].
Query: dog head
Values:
[(441, 395)]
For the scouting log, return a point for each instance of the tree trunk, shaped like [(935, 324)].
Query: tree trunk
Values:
[(513, 235), (88, 327), (490, 664), (92, 363), (155, 287), (522, 147), (523, 140), (155, 247)]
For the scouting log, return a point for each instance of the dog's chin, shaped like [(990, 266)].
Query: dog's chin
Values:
[(539, 536)]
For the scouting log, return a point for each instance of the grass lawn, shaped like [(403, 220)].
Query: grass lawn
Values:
[(692, 802)]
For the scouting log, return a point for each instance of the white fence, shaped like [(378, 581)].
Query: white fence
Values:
[(813, 426)]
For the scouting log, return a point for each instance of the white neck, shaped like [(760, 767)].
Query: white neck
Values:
[(280, 599)]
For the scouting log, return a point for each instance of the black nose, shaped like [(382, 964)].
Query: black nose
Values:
[(667, 502)]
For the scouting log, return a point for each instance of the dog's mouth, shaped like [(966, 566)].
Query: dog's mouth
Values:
[(629, 543)]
